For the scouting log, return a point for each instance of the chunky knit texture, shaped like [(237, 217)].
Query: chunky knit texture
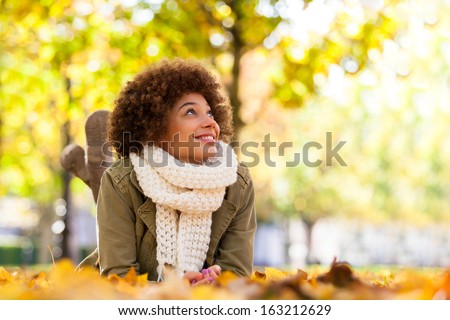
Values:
[(186, 196)]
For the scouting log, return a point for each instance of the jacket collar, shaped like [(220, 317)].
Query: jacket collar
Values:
[(135, 181)]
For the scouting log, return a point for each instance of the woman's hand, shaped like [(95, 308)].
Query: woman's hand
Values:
[(193, 277), (216, 269), (206, 276)]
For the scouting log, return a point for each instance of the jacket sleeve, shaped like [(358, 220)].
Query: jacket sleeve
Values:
[(116, 231), (235, 250)]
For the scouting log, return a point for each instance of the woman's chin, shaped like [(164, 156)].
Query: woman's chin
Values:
[(207, 151), (211, 150)]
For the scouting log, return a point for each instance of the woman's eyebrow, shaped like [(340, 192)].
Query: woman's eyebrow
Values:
[(186, 104), (190, 103)]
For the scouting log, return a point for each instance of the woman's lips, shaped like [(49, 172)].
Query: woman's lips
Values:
[(206, 138)]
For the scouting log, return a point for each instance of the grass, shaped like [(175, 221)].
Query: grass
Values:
[(34, 268)]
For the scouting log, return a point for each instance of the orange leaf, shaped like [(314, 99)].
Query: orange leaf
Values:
[(131, 276), (5, 276)]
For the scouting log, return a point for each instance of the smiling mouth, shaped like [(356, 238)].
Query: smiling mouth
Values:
[(205, 138)]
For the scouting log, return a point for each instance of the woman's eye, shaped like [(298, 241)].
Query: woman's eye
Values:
[(211, 114), (190, 111)]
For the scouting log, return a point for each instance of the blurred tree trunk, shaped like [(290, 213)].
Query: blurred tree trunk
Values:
[(66, 178), (309, 225), (233, 87), (66, 234), (45, 233)]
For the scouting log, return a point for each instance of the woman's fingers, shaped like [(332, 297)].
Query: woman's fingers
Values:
[(216, 269), (193, 277), (204, 281), (206, 276)]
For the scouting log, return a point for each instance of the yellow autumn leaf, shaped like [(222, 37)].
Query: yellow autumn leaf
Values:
[(207, 292), (226, 277), (39, 281), (5, 275), (131, 276), (270, 274), (340, 281)]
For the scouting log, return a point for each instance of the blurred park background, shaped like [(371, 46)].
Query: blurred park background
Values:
[(368, 77)]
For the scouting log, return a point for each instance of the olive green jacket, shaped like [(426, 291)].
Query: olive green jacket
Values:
[(127, 229)]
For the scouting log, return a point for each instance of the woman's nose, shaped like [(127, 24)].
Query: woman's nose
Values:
[(208, 122)]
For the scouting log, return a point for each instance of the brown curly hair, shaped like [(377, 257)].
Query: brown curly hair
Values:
[(142, 107)]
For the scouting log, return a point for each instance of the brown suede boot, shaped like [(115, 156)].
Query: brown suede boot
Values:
[(72, 160), (96, 128)]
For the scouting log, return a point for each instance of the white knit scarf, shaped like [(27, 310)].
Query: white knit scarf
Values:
[(186, 196)]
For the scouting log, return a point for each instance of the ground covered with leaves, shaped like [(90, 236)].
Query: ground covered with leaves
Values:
[(339, 281)]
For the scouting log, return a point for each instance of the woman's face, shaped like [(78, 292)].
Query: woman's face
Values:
[(192, 132)]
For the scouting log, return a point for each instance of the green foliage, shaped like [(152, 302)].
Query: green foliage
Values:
[(392, 116), (61, 60)]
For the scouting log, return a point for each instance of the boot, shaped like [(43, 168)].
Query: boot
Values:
[(96, 128), (72, 160)]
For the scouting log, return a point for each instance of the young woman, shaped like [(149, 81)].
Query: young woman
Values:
[(177, 199)]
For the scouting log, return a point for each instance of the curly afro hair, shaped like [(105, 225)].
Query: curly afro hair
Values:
[(141, 109)]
